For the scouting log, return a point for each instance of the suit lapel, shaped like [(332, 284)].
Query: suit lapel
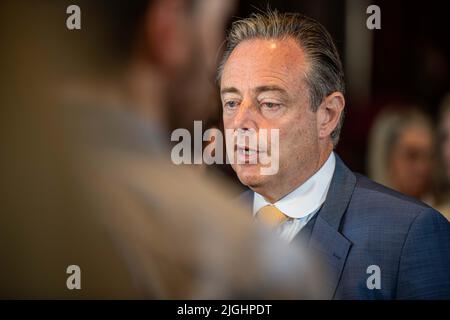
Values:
[(331, 248), (326, 240)]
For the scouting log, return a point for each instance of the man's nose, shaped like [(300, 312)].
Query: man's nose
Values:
[(247, 116)]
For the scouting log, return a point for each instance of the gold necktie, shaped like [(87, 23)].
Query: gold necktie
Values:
[(271, 216)]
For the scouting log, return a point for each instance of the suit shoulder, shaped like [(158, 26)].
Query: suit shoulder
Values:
[(366, 186), (377, 201)]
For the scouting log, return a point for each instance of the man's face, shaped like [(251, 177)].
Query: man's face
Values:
[(263, 87)]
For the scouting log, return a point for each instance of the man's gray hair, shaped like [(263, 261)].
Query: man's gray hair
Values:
[(325, 74)]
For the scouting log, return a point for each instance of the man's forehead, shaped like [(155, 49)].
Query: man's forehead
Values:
[(270, 58)]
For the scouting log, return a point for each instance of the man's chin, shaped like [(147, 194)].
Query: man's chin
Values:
[(250, 175)]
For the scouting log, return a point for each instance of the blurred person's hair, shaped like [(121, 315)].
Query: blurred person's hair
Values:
[(110, 30), (386, 130), (325, 73), (118, 20)]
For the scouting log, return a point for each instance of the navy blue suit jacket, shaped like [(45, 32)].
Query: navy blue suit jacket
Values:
[(362, 224)]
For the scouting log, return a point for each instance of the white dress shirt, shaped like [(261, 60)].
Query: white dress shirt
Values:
[(301, 204)]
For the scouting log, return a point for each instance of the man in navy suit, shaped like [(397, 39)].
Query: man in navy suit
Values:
[(282, 72)]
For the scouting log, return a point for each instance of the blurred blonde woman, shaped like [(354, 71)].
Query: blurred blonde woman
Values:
[(401, 152), (443, 172)]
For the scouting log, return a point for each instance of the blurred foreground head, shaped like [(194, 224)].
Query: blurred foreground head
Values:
[(94, 188), (155, 57)]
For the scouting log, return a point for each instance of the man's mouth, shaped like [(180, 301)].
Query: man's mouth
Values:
[(246, 154)]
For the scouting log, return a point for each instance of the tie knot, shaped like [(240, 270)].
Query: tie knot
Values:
[(271, 216)]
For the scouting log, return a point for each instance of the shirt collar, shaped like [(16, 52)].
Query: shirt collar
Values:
[(307, 198)]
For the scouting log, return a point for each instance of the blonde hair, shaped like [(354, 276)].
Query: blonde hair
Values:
[(387, 127)]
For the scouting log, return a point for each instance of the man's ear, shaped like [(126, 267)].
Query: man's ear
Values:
[(166, 29), (329, 113)]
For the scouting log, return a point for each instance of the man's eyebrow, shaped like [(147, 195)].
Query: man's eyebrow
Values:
[(229, 90), (270, 88), (257, 89)]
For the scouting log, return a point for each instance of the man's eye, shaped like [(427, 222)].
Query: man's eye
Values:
[(230, 104), (270, 105)]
